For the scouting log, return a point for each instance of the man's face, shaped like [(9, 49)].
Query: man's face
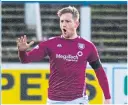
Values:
[(68, 25)]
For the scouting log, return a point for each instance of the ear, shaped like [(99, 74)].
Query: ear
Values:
[(76, 24)]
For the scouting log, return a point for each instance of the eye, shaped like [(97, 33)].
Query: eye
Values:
[(67, 21), (61, 21)]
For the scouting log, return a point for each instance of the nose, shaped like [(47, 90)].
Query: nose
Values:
[(64, 24)]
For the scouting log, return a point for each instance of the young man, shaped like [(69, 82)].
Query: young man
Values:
[(69, 54)]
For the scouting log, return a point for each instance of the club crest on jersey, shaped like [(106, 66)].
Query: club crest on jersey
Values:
[(81, 46)]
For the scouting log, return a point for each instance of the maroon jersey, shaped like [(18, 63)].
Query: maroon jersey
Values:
[(68, 60)]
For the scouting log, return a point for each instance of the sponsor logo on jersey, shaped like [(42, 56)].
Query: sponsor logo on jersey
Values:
[(79, 53), (81, 46), (70, 57)]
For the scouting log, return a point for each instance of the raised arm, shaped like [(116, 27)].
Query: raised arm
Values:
[(36, 54)]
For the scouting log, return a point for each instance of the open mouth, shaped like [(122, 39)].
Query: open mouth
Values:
[(64, 30)]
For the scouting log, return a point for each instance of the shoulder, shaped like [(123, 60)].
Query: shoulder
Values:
[(53, 38), (50, 40), (86, 42)]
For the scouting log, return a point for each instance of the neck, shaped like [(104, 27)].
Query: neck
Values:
[(72, 37)]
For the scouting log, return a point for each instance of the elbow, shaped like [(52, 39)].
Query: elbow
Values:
[(23, 61)]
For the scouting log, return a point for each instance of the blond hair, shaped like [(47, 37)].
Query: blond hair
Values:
[(70, 9)]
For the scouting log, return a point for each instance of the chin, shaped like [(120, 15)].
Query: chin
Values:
[(67, 36)]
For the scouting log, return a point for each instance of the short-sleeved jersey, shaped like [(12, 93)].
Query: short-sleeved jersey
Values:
[(68, 60)]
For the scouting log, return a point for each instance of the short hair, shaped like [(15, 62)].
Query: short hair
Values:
[(69, 9)]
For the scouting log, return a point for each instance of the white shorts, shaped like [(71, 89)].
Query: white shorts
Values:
[(80, 101)]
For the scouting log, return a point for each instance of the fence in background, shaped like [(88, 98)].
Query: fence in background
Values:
[(108, 29)]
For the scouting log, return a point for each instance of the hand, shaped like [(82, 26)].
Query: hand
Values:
[(22, 43), (107, 101)]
